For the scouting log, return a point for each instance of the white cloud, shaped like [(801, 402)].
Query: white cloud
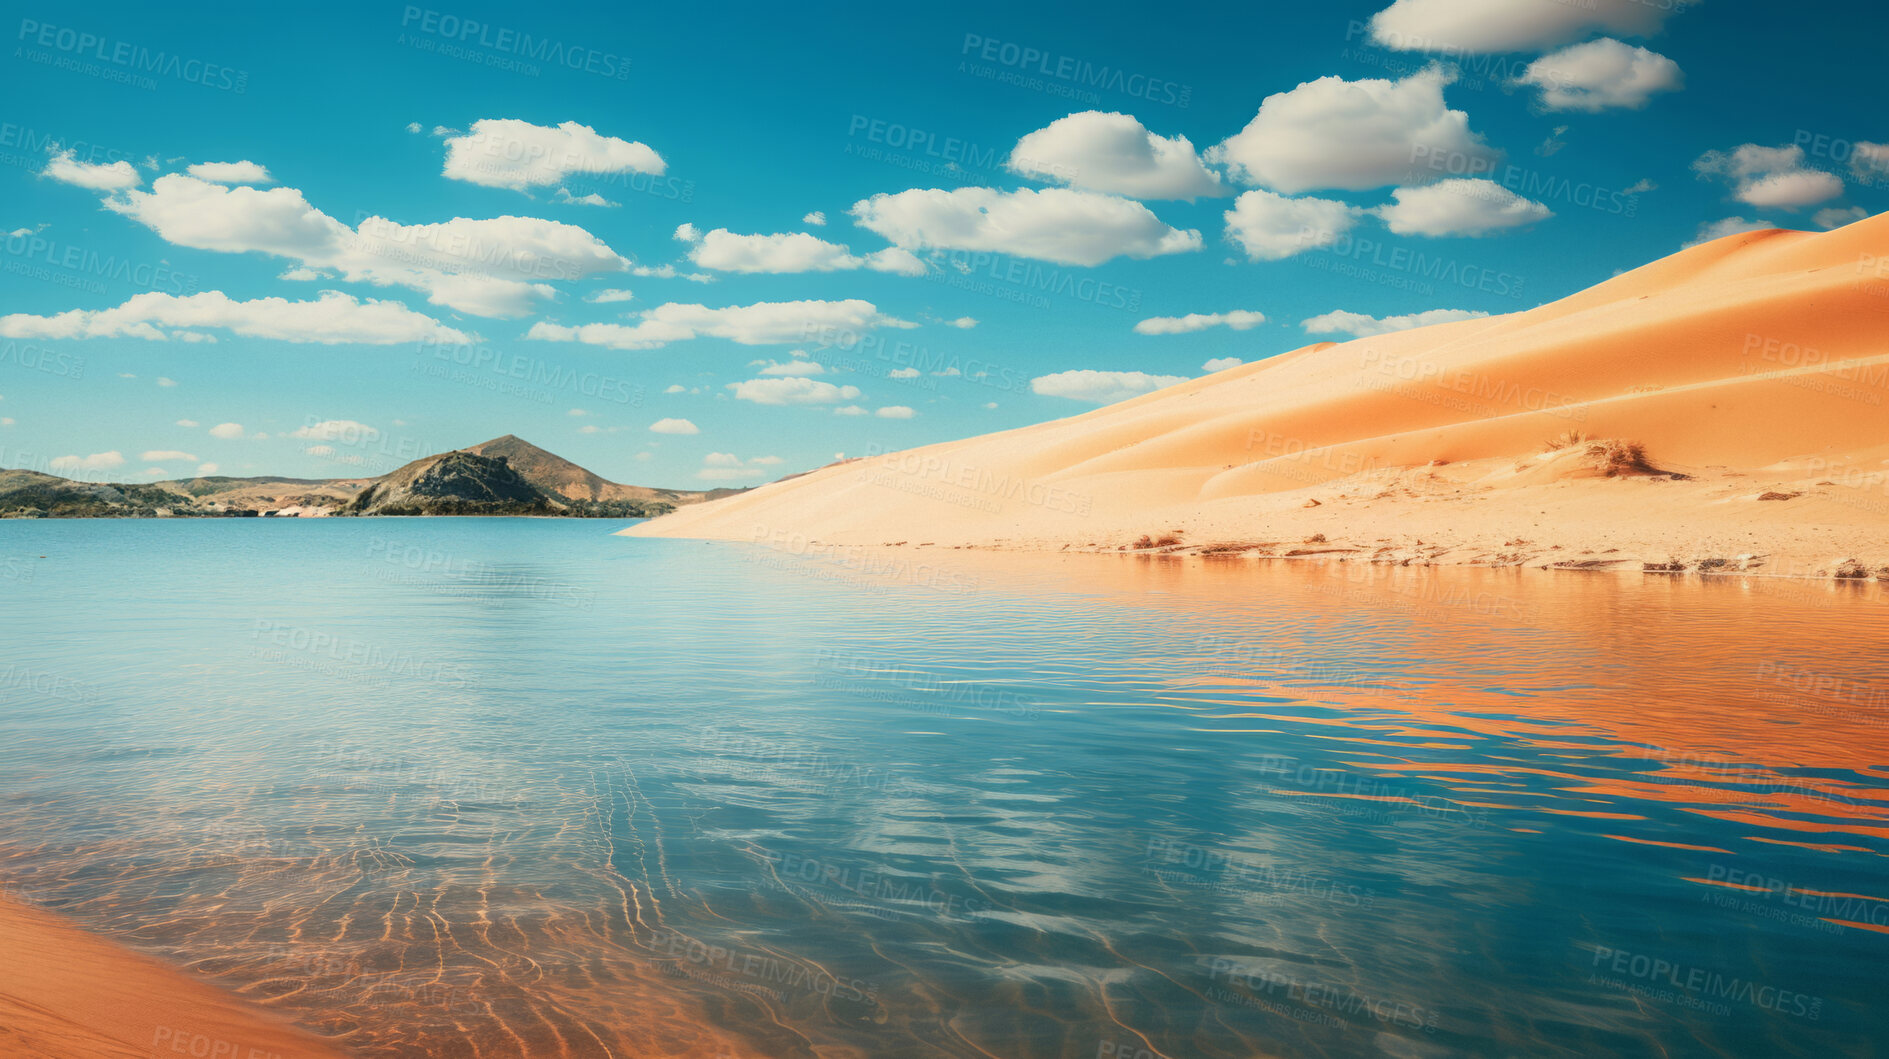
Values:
[(725, 251), (608, 296), (414, 127), (1355, 135), (1114, 153), (492, 267), (673, 426), (675, 388), (795, 367), (113, 176), (1237, 319), (227, 430), (669, 272), (206, 468), (728, 467), (332, 318), (896, 411), (187, 423), (157, 455), (1838, 216), (687, 233), (1469, 26), (7, 421), (762, 323), (508, 153), (904, 373), (850, 410), (563, 197), (1770, 177), (1100, 387), (166, 383), (1599, 74), (97, 461), (792, 390), (1869, 162), (816, 219), (1363, 326), (1272, 227), (1055, 224), (231, 173), (1728, 226), (577, 412), (1221, 364), (1460, 207), (963, 322), (320, 450), (335, 430)]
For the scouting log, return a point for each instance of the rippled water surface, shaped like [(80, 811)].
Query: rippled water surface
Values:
[(516, 787)]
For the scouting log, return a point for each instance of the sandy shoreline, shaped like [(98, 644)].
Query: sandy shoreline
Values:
[(67, 994)]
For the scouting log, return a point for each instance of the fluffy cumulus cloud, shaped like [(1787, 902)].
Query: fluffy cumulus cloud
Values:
[(673, 426), (508, 153), (1838, 216), (1105, 151), (227, 431), (1100, 387), (608, 296), (895, 411), (1355, 135), (728, 467), (64, 167), (726, 251), (493, 267), (792, 390), (1363, 326), (1719, 229), (231, 173), (1869, 163), (1271, 227), (347, 430), (763, 323), (1601, 74), (1469, 26), (1221, 364), (795, 367), (1237, 319), (816, 219), (1459, 207), (1769, 177), (158, 455), (332, 318), (1055, 224), (97, 461)]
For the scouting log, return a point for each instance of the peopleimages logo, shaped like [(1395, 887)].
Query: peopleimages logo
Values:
[(506, 41), (127, 57)]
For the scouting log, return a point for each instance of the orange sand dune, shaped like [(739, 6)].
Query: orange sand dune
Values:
[(67, 994), (1755, 364)]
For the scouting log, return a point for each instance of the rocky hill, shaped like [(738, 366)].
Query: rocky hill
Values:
[(504, 476)]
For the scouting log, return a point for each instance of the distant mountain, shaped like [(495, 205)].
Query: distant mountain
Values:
[(504, 476)]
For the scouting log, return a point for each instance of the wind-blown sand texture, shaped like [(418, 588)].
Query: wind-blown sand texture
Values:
[(1720, 409), (65, 993)]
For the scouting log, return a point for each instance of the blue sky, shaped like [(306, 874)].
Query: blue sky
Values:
[(437, 199)]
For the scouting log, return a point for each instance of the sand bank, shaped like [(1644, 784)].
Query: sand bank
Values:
[(66, 994), (1726, 408)]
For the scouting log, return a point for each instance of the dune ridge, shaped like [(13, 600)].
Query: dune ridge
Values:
[(1722, 408)]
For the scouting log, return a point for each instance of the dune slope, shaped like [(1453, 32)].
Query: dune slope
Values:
[(1640, 420)]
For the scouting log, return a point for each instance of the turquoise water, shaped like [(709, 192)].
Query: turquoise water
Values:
[(518, 787)]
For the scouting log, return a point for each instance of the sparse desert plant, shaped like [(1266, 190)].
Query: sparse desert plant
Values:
[(1616, 458), (1567, 439)]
